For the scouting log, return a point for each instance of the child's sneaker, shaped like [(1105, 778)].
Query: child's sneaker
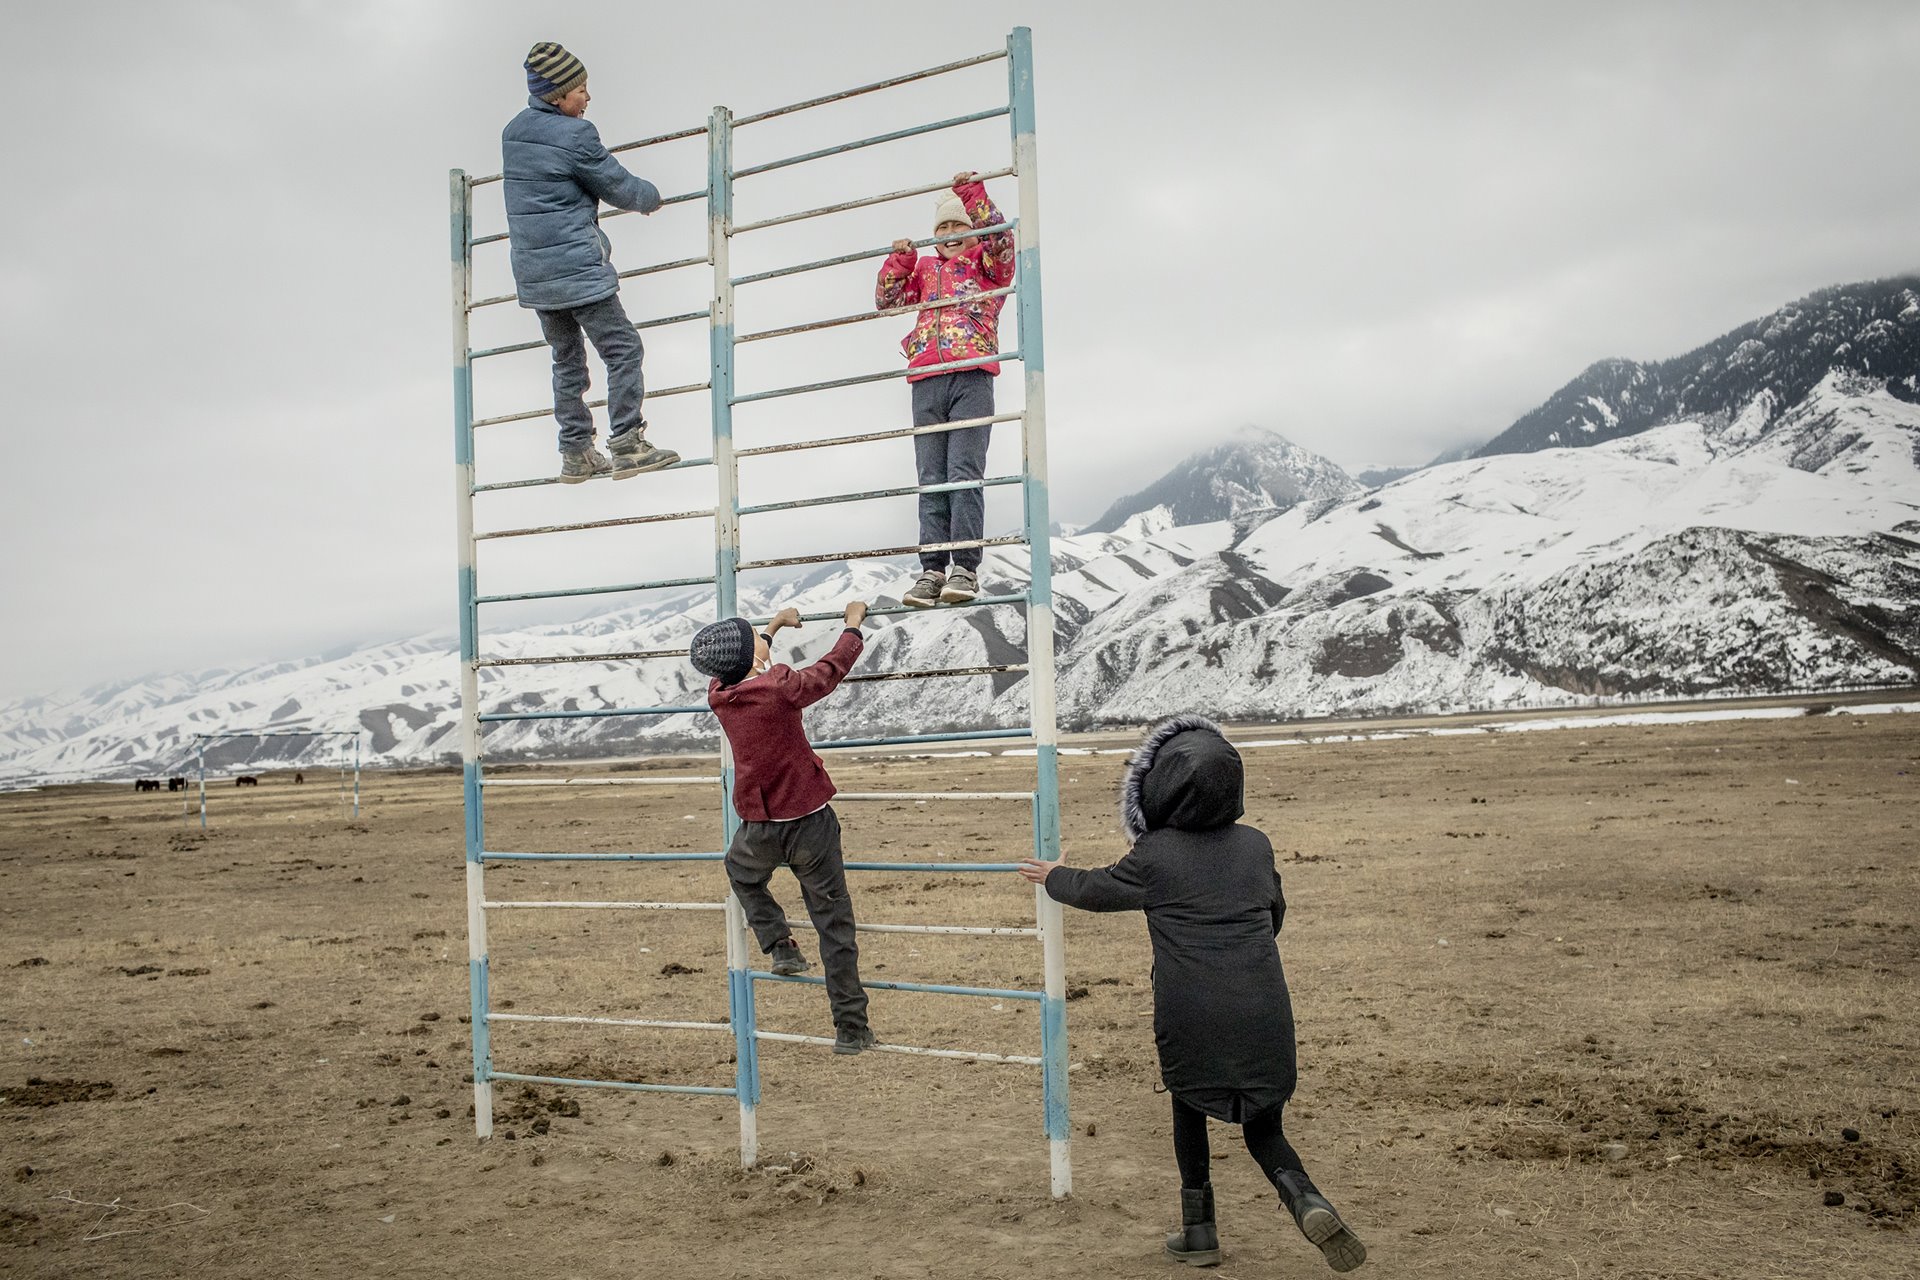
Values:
[(854, 1039), (1320, 1222), (787, 959), (577, 465), (925, 593), (962, 586), (633, 455)]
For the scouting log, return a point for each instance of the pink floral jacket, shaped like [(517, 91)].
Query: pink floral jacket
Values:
[(965, 330)]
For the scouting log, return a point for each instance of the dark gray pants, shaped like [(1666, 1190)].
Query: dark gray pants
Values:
[(811, 846), (945, 456), (605, 324)]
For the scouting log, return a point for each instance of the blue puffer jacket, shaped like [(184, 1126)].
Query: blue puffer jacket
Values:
[(557, 173)]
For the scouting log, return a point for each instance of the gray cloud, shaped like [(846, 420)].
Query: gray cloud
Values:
[(1378, 229)]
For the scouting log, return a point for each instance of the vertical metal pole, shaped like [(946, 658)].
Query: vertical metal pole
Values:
[(356, 775), (1039, 524), (726, 558), (461, 228), (200, 743)]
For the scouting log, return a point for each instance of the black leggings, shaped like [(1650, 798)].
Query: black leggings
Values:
[(1269, 1146)]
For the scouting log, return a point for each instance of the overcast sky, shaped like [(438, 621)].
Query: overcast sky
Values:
[(1381, 230)]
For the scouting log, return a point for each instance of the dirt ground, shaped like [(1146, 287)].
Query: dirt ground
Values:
[(1623, 1002)]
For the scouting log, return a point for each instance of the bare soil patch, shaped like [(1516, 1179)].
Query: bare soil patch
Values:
[(1631, 1001)]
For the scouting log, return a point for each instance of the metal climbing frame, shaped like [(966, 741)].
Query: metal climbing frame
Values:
[(200, 752), (727, 514)]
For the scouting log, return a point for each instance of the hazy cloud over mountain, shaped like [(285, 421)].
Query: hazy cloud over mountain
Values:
[(1381, 230)]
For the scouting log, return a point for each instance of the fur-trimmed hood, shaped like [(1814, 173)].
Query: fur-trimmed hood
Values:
[(1185, 774)]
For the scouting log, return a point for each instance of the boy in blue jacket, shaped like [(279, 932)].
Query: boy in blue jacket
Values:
[(556, 173)]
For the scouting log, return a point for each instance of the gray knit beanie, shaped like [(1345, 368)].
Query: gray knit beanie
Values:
[(552, 72), (724, 650)]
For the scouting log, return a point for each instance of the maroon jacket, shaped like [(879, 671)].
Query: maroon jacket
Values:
[(776, 775)]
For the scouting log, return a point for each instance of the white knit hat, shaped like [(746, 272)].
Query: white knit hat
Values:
[(950, 209)]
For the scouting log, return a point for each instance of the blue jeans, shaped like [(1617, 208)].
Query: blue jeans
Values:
[(605, 324), (958, 515)]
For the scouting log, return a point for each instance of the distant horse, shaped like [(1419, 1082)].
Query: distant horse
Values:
[(176, 784), (299, 777), (246, 780), (146, 784)]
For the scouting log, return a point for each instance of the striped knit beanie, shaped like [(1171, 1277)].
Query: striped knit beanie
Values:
[(552, 72), (950, 209), (724, 650)]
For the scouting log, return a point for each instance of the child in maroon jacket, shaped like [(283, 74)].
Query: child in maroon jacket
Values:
[(780, 791)]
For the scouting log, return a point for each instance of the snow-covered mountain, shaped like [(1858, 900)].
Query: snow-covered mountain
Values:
[(1254, 471), (1757, 547), (1760, 370)]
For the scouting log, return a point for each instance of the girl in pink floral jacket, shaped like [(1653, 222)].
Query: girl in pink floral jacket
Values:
[(954, 326)]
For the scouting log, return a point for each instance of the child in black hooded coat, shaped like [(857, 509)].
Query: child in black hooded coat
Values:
[(1221, 1016)]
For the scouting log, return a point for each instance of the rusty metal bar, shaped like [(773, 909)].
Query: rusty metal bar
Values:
[(859, 316), (877, 85), (615, 523), (872, 494), (881, 553), (887, 375), (591, 404), (906, 193), (934, 675), (538, 481), (558, 658), (869, 437), (845, 258)]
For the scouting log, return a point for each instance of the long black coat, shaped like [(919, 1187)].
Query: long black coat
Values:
[(1221, 1015)]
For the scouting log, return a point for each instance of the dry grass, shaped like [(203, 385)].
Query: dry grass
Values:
[(1588, 1002)]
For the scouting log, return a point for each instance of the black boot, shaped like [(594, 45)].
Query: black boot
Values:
[(1196, 1243), (1319, 1222)]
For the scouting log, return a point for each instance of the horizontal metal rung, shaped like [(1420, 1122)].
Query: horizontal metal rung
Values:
[(602, 216), (906, 610), (860, 317), (684, 197), (502, 717), (911, 739), (659, 267), (873, 495), (675, 136), (602, 857), (559, 658), (970, 931), (925, 988), (741, 228), (608, 906), (694, 780), (870, 437), (921, 868), (539, 481), (663, 1024), (615, 523), (880, 553), (834, 384), (862, 255), (547, 412), (932, 795), (615, 589), (541, 343), (632, 1086), (936, 675), (975, 117), (1012, 1059), (844, 94)]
